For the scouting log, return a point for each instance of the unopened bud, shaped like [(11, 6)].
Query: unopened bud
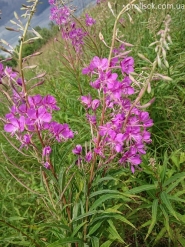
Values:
[(101, 36)]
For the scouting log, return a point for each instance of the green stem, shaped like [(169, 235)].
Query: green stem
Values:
[(24, 234), (21, 49), (114, 29)]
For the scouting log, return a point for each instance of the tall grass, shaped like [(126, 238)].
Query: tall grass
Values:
[(28, 219)]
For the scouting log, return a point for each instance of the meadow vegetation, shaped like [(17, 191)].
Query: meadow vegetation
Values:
[(74, 196)]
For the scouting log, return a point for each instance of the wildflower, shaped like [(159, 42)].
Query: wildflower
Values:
[(88, 157), (47, 165), (91, 119), (77, 150), (10, 73), (127, 65), (46, 151), (61, 132), (25, 140), (15, 125), (86, 100), (39, 116), (95, 104), (2, 74), (89, 21), (50, 103), (123, 130), (52, 2), (60, 15)]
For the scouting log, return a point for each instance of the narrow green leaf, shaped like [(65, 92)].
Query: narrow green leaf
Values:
[(84, 215), (99, 192), (160, 235), (181, 240), (174, 185), (116, 216), (103, 198), (112, 230), (78, 228), (164, 167), (176, 198), (107, 243), (142, 188), (98, 181), (154, 216), (95, 227), (166, 219), (166, 201), (16, 218), (173, 178), (61, 242), (95, 242), (147, 223)]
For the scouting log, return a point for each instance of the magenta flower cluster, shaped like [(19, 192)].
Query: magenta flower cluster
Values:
[(31, 118), (122, 129), (89, 20), (75, 35), (69, 29), (34, 117), (59, 15)]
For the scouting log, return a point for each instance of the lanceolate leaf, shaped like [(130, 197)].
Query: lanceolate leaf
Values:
[(95, 242), (95, 227), (107, 243), (142, 188), (166, 201), (99, 192), (174, 184), (114, 232), (116, 216), (85, 215), (154, 216), (173, 178), (103, 198), (61, 242), (160, 235)]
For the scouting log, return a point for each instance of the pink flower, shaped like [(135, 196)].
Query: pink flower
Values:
[(47, 165), (89, 20), (46, 151), (77, 150), (86, 100), (15, 125)]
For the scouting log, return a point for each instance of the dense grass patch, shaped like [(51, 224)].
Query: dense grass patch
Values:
[(116, 208)]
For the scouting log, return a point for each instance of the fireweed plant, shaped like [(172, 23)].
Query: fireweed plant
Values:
[(119, 128)]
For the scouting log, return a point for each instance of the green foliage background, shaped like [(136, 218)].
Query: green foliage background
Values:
[(140, 210)]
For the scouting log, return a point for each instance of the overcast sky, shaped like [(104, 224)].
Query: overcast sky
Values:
[(41, 17)]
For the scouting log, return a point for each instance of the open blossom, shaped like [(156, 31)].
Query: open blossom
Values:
[(36, 117), (124, 129), (86, 100), (77, 150), (89, 20), (127, 65), (10, 73), (2, 74), (95, 104), (88, 157), (46, 151), (39, 116), (60, 15), (25, 140), (47, 165), (52, 2), (61, 132), (15, 125)]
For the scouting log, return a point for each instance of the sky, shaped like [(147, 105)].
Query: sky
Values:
[(41, 18)]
